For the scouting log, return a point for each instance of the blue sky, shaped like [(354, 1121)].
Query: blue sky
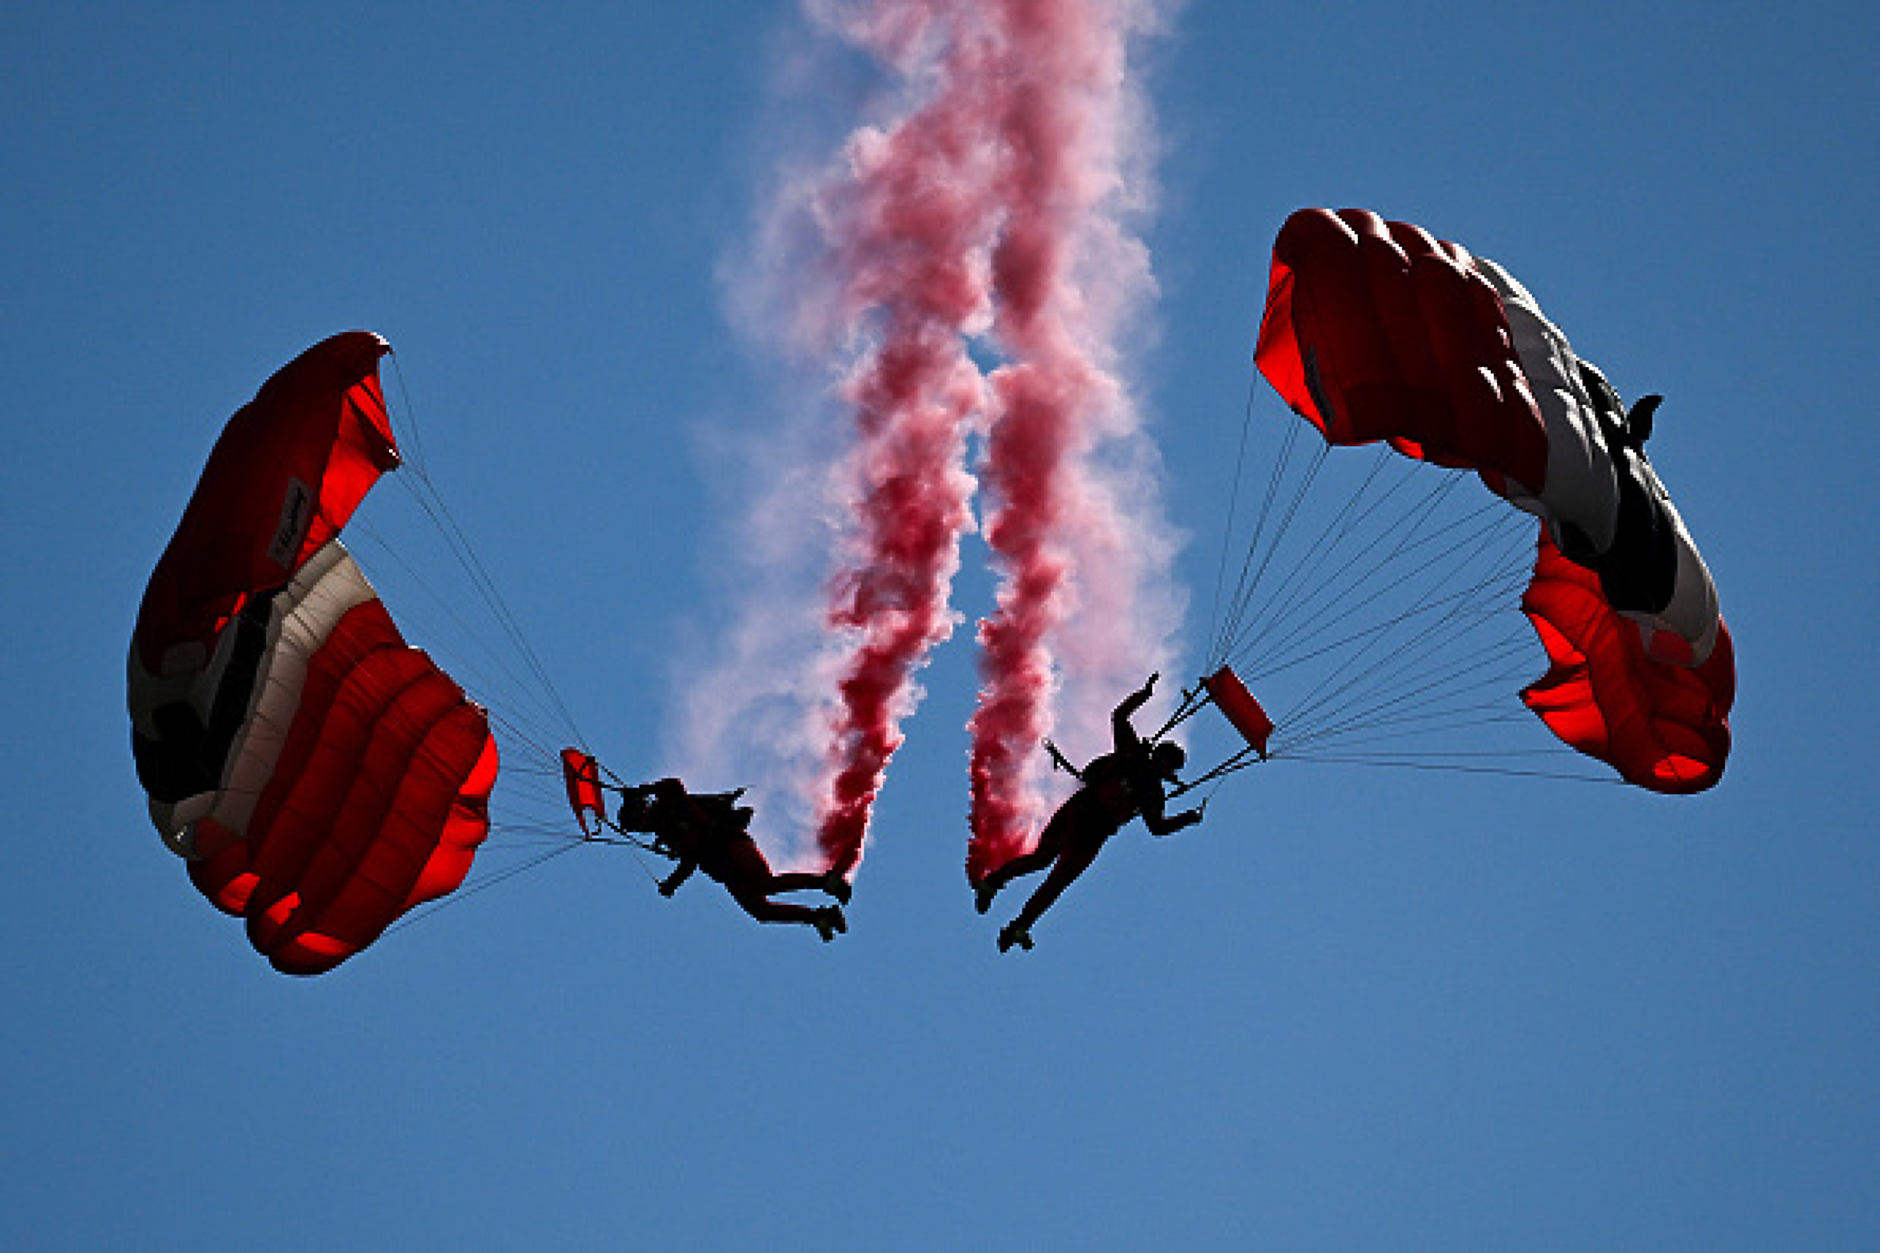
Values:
[(1353, 1010)]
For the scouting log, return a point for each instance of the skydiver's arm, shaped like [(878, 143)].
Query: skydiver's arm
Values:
[(1158, 821), (678, 876), (1121, 731)]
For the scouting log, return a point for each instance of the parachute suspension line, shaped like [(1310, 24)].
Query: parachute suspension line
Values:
[(1308, 578), (1381, 712), (530, 735), (1343, 695), (1488, 591), (1389, 723), (1250, 575), (1267, 550), (1192, 702), (418, 459), (433, 503), (1407, 589), (1443, 763), (1227, 531), (1218, 775), (490, 669), (469, 890), (1445, 608), (556, 845)]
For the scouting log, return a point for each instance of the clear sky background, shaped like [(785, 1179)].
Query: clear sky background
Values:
[(1357, 1009)]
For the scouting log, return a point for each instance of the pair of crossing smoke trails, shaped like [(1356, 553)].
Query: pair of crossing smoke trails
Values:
[(982, 213)]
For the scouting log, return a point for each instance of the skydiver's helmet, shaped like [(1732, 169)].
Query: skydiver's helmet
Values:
[(1168, 759), (636, 806)]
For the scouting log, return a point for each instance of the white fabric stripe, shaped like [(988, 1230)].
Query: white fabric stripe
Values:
[(1581, 484), (320, 594), (1582, 479), (301, 619)]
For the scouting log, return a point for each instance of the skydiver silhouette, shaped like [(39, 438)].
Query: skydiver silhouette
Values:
[(1125, 783), (710, 832)]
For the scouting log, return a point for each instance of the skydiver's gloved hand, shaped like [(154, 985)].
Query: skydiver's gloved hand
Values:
[(1182, 821), (679, 875)]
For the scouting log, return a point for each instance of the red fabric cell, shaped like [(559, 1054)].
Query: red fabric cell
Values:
[(1662, 727), (1374, 330), (288, 471)]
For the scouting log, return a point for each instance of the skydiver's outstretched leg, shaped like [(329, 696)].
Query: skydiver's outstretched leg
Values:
[(751, 864), (827, 919), (801, 881), (1050, 844), (1018, 867), (1079, 850), (746, 875)]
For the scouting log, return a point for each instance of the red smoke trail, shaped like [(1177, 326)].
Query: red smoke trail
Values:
[(1062, 66), (985, 211), (914, 223)]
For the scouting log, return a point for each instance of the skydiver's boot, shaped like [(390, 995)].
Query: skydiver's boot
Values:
[(837, 886), (829, 922), (983, 892), (1011, 933)]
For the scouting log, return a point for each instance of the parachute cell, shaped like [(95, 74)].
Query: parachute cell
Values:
[(321, 776), (1374, 330), (1656, 721)]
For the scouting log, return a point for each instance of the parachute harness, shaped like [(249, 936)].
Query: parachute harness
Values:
[(1221, 687)]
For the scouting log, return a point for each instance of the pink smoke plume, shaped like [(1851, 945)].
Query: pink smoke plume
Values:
[(1061, 129), (987, 215)]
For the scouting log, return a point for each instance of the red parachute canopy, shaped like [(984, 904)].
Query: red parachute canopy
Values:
[(321, 776), (1374, 330)]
